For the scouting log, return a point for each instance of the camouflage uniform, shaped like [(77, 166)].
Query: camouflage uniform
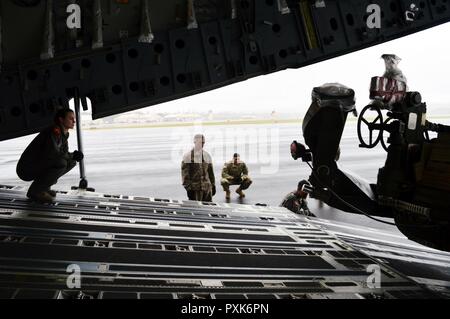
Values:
[(296, 204), (235, 174), (45, 160), (198, 175)]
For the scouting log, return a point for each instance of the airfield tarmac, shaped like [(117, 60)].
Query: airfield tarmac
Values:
[(146, 162)]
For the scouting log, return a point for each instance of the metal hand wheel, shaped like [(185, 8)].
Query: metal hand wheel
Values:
[(375, 125)]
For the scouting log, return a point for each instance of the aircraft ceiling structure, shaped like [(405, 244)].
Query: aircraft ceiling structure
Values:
[(129, 54)]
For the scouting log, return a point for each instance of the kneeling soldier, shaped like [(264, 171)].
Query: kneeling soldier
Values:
[(47, 158), (235, 172), (296, 201)]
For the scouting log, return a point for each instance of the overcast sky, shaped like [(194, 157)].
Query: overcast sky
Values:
[(425, 63)]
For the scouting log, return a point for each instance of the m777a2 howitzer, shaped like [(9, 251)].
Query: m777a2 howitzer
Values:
[(412, 187)]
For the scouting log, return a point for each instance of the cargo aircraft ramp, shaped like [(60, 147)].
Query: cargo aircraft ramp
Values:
[(137, 247)]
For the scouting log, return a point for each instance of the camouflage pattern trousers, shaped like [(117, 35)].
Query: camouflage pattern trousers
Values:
[(243, 183), (200, 196)]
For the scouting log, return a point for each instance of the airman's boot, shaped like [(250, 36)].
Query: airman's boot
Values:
[(51, 192), (240, 192), (227, 194), (42, 197)]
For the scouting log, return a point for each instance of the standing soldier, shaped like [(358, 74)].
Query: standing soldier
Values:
[(197, 172), (47, 158), (235, 172), (296, 201)]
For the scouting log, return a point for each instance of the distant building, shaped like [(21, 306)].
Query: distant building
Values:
[(182, 117), (137, 118)]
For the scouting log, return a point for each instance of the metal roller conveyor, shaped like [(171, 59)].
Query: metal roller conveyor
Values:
[(153, 248)]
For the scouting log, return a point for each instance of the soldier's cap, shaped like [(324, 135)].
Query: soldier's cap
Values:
[(391, 57), (235, 155)]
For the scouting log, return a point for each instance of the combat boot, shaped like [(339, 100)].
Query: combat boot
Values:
[(227, 194), (240, 192), (52, 193), (42, 197)]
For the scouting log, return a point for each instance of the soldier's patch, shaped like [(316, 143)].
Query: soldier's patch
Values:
[(57, 131)]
